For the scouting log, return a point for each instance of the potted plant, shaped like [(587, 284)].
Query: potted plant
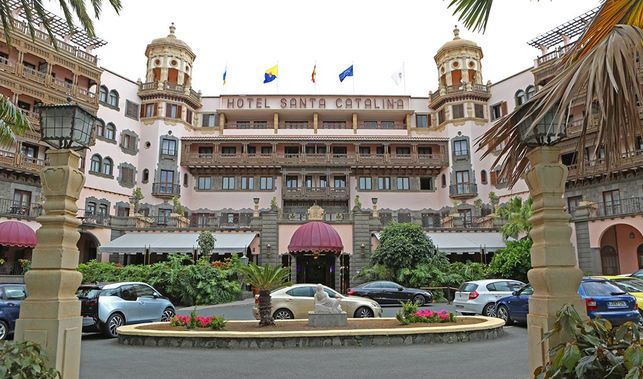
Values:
[(178, 214)]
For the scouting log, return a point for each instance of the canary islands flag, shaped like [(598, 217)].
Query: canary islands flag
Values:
[(345, 73), (225, 74), (271, 74)]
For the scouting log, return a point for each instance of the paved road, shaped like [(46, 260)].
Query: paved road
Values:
[(503, 358)]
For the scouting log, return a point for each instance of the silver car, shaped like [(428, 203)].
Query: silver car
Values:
[(106, 307)]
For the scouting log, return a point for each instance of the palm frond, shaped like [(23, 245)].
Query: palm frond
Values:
[(264, 278), (607, 82), (474, 14), (12, 122)]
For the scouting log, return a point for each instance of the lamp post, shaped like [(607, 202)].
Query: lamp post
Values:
[(50, 316), (555, 275)]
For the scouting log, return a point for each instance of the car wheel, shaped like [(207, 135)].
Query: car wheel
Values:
[(364, 312), (419, 300), (168, 313), (283, 314), (489, 310), (503, 313), (4, 330), (113, 322)]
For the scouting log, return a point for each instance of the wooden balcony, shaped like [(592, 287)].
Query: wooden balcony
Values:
[(598, 167), (316, 193), (21, 163)]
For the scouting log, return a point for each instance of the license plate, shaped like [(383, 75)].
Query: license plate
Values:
[(616, 304)]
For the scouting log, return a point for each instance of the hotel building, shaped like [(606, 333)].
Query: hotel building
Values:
[(255, 169)]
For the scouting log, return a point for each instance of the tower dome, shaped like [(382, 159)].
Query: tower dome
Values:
[(459, 62), (170, 41), (170, 60), (457, 42)]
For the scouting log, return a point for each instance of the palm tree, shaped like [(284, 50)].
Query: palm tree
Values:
[(516, 213), (12, 121), (265, 279), (601, 68)]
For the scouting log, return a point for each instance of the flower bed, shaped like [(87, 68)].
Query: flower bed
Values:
[(409, 314), (193, 321)]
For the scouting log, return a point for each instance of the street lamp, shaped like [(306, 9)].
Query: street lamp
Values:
[(50, 316), (244, 259), (554, 276)]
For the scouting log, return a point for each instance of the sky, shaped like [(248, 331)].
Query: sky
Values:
[(377, 37)]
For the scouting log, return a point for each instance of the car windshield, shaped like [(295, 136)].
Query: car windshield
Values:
[(87, 293), (630, 285), (599, 288)]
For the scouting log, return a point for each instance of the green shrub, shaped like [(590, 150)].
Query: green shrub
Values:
[(24, 360), (403, 245), (96, 272), (217, 323), (409, 314), (513, 261)]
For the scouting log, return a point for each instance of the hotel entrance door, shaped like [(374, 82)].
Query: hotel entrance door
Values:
[(316, 269)]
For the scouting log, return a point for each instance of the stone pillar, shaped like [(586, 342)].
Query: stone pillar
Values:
[(275, 122), (354, 123), (555, 276), (315, 122), (221, 122), (408, 123), (50, 316)]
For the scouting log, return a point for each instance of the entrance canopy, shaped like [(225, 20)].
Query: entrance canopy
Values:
[(168, 243), (315, 236), (465, 242), (17, 234)]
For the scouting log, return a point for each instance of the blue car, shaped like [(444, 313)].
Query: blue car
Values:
[(602, 298), (11, 295)]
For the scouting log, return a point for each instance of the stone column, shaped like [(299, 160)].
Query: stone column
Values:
[(315, 122), (50, 316), (221, 122), (555, 276), (354, 123), (275, 122)]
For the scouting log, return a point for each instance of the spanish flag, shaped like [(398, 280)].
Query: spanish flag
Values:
[(271, 74), (314, 74)]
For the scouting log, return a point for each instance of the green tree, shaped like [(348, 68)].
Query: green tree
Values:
[(516, 213), (512, 261), (403, 245), (206, 242), (265, 279)]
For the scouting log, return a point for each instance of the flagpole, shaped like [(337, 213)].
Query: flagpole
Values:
[(353, 76), (403, 78)]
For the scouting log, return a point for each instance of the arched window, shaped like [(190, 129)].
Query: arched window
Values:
[(112, 99), (107, 166), (110, 132), (531, 91), (102, 94), (95, 163), (521, 97), (483, 177), (609, 260), (100, 127), (146, 175)]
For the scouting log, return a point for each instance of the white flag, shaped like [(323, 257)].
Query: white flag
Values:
[(398, 76)]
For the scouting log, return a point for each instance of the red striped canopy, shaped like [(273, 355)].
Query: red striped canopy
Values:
[(315, 236), (15, 233)]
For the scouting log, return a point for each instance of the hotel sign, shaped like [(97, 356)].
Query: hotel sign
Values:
[(315, 102)]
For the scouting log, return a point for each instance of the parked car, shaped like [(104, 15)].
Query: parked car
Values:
[(602, 298), (11, 295), (105, 307), (297, 300), (385, 292), (480, 296), (631, 285), (638, 274)]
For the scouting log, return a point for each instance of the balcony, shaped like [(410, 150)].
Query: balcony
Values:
[(598, 167), (166, 190), (21, 162), (93, 219), (465, 89), (15, 209), (547, 65), (316, 193), (613, 209), (463, 190), (156, 88)]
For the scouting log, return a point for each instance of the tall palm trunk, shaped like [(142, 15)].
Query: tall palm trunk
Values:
[(265, 309)]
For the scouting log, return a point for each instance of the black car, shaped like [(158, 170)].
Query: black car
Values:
[(385, 292)]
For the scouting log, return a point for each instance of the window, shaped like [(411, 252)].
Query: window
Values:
[(146, 176), (339, 181), (292, 181), (302, 292), (461, 148), (441, 118), (188, 116), (266, 183), (267, 150), (228, 182), (102, 94), (21, 202), (172, 111), (403, 184), (404, 217), (568, 159), (128, 142), (108, 165), (228, 150), (403, 151), (422, 120), (521, 97), (483, 177), (127, 176), (103, 210), (478, 110), (100, 127), (639, 143), (334, 125), (112, 99), (308, 181), (430, 220), (426, 183), (247, 183), (164, 216), (204, 183), (572, 203), (149, 110), (425, 150), (166, 181), (29, 151), (462, 182), (168, 147), (339, 151), (365, 183), (90, 209), (384, 183), (364, 150), (131, 109), (370, 124), (110, 132), (498, 110), (323, 181), (95, 164), (458, 111), (296, 124), (387, 125), (531, 91), (209, 120), (381, 150), (205, 151), (467, 217), (612, 202)]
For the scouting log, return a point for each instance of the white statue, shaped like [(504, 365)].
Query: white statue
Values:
[(324, 303)]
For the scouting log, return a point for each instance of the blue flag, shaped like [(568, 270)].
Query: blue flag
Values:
[(345, 73)]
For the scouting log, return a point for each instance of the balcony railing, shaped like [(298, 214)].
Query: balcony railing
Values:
[(93, 219), (553, 55), (166, 189), (463, 190), (597, 167), (338, 217), (316, 193), (24, 162), (481, 89), (17, 209), (172, 88), (303, 159), (624, 207)]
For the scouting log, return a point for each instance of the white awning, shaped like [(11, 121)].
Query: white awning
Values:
[(465, 242), (185, 243)]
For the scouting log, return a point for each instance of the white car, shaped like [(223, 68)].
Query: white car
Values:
[(480, 296)]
